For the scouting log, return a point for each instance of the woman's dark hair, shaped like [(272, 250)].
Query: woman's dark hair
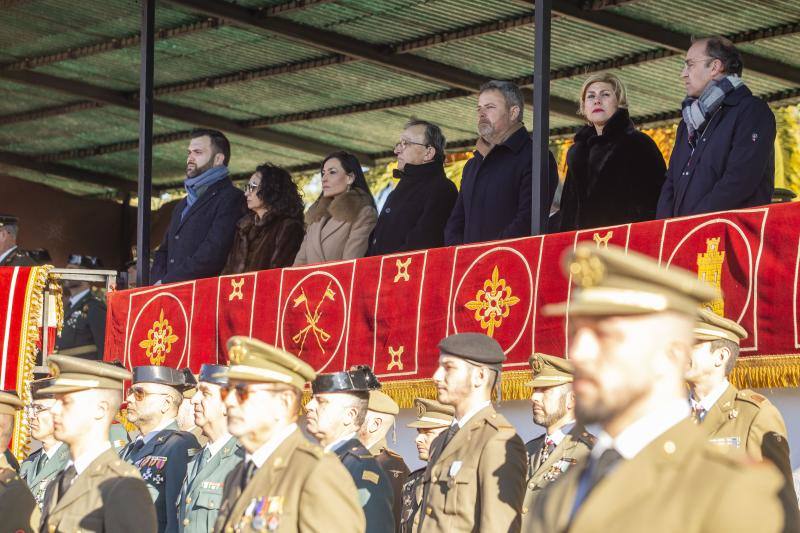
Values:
[(350, 165), (278, 192)]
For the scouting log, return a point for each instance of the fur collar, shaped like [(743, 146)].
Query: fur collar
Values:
[(345, 206)]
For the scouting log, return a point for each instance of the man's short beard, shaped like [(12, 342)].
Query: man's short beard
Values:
[(486, 130), (548, 419), (199, 170)]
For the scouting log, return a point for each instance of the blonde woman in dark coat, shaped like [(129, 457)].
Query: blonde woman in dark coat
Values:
[(339, 223)]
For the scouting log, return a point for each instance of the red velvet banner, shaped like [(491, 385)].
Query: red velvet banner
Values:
[(390, 312)]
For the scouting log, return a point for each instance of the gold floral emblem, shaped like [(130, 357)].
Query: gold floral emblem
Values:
[(159, 341), (236, 353), (420, 409), (587, 269), (492, 303), (538, 363)]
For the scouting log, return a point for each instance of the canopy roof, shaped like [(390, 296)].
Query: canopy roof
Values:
[(290, 81)]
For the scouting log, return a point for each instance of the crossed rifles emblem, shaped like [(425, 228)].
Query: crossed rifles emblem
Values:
[(312, 319)]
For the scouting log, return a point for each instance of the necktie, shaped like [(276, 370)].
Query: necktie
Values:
[(698, 412), (451, 432), (547, 449), (135, 447), (595, 471), (249, 469), (40, 462), (65, 480)]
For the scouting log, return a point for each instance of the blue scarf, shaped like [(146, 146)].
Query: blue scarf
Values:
[(195, 187)]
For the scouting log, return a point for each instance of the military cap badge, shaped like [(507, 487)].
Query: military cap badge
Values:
[(587, 269)]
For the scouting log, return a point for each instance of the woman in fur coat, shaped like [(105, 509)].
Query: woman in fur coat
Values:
[(269, 235), (339, 223), (614, 172)]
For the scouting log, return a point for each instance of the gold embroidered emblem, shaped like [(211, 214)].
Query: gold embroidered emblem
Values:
[(733, 414), (420, 409), (402, 270), (397, 358), (709, 269), (602, 242), (537, 364), (159, 341), (312, 319), (587, 269), (492, 303), (54, 370), (236, 353), (236, 289)]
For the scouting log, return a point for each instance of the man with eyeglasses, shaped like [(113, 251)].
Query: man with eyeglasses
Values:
[(97, 491), (286, 483), (45, 463), (417, 210), (334, 416), (201, 493), (18, 510), (161, 452), (724, 155)]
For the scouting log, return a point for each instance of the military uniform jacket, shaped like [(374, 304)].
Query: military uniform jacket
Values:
[(412, 498), (37, 483), (397, 470), (573, 447), (18, 258), (84, 329), (109, 496), (373, 484), (162, 464), (300, 488), (677, 483), (201, 493), (478, 482), (741, 419), (18, 510)]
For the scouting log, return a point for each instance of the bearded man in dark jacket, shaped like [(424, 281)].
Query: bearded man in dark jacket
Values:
[(416, 212), (203, 224)]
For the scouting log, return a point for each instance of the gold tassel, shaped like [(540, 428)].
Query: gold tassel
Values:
[(31, 318), (122, 418), (769, 371)]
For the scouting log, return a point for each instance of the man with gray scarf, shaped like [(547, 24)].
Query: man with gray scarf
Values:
[(203, 224), (724, 155)]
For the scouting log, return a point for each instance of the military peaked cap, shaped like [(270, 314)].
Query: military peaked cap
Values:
[(710, 326), (358, 379), (71, 374)]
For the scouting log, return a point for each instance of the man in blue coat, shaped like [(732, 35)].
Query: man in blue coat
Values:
[(203, 224), (724, 156), (495, 198), (162, 452)]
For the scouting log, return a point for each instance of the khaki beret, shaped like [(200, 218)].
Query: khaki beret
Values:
[(380, 402), (255, 360), (9, 403), (710, 327), (610, 281), (549, 370), (431, 414), (474, 347), (72, 374)]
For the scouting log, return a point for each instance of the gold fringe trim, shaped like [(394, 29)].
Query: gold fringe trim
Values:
[(766, 371), (30, 337), (122, 418)]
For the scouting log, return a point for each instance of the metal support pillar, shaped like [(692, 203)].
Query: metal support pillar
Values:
[(540, 189), (145, 143)]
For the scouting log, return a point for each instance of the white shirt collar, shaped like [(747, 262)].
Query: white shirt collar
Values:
[(338, 442), (82, 463), (472, 412), (53, 451), (77, 297), (260, 456), (716, 393), (217, 445), (559, 434), (7, 252), (634, 438), (150, 434)]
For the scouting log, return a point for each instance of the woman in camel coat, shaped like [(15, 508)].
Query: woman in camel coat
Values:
[(339, 223)]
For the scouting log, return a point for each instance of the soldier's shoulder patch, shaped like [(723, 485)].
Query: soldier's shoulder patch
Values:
[(372, 477), (751, 397), (499, 422)]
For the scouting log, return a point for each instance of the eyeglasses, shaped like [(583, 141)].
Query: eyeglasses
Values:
[(139, 393), (692, 62), (250, 187), (403, 144), (243, 391), (32, 411)]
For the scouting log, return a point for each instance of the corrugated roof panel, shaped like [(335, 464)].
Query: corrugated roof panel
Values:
[(712, 17), (17, 98), (782, 49), (304, 91), (396, 20), (51, 180)]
